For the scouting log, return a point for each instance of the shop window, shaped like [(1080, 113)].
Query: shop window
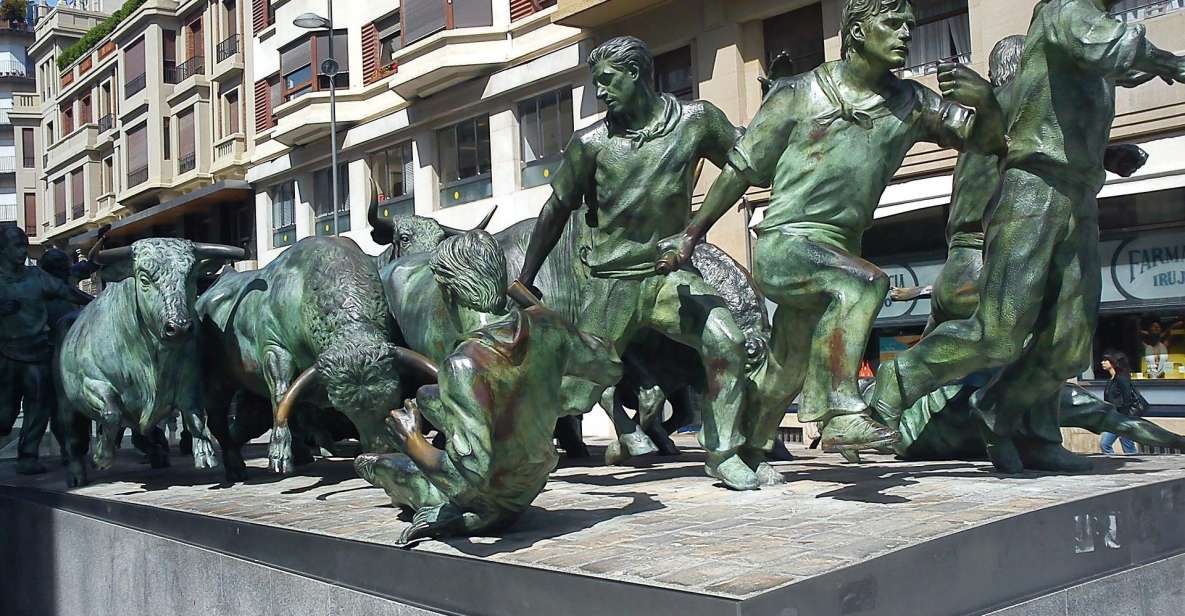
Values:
[(1154, 344), (673, 74), (919, 231), (465, 161), (798, 33), (546, 124), (943, 32), (323, 201), (393, 169), (283, 198), (1142, 210)]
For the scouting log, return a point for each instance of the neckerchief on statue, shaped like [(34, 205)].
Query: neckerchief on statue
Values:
[(666, 123), (861, 116)]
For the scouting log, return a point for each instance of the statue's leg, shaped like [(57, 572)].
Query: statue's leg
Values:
[(1079, 409), (110, 425), (277, 371), (779, 381), (400, 478), (10, 394), (37, 389), (651, 403), (687, 310), (569, 434), (158, 447), (78, 437), (219, 420), (202, 447)]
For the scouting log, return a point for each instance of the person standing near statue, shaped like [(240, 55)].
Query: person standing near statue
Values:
[(829, 142), (634, 170), (1041, 284), (26, 295)]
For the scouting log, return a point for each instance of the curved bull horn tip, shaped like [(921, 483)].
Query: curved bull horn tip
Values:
[(417, 362), (113, 255), (284, 410), (219, 251), (485, 222)]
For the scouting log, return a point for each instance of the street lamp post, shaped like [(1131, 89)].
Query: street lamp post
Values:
[(329, 68)]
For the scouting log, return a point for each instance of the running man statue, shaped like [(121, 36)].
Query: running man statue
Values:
[(829, 142), (1041, 283), (634, 171)]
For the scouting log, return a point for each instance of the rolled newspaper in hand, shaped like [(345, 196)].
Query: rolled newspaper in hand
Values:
[(522, 295), (667, 263)]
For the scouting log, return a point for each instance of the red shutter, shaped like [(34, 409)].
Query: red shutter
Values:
[(263, 106), (522, 8), (370, 53), (261, 14)]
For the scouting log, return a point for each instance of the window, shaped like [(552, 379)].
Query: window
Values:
[(283, 214), (109, 175), (943, 32), (28, 160), (300, 62), (169, 57), (68, 118), (77, 196), (465, 161), (49, 138), (546, 124), (525, 8), (166, 129), (393, 170), (261, 14), (798, 33), (30, 214), (323, 200), (230, 112), (673, 74), (59, 202), (84, 110), (186, 141), (133, 68), (423, 18), (390, 33), (137, 155)]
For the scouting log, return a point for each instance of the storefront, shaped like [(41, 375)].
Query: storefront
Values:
[(1142, 315)]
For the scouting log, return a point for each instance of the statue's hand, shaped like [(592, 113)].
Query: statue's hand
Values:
[(404, 423), (675, 251), (1124, 159), (9, 306), (963, 85)]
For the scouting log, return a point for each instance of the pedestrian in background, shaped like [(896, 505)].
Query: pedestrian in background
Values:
[(1121, 394)]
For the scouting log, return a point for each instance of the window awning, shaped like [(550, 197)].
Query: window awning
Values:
[(226, 191)]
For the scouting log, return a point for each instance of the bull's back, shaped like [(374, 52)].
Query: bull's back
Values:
[(561, 279)]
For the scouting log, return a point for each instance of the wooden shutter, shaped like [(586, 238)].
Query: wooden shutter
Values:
[(261, 14), (30, 214), (263, 106), (522, 8), (370, 53)]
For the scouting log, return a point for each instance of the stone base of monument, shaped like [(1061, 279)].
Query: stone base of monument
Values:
[(658, 538)]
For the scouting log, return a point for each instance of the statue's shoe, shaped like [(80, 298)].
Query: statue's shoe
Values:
[(1004, 456), (29, 466), (768, 475), (735, 474), (780, 452), (626, 446), (1052, 457), (856, 432)]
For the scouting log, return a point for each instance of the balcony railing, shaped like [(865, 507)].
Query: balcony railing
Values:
[(13, 68), (78, 211), (931, 66), (1137, 10), (106, 123), (30, 100), (193, 66), (59, 217), (134, 85), (137, 176), (228, 148), (7, 164), (187, 162), (28, 161), (228, 47)]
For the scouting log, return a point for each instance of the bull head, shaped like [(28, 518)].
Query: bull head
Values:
[(164, 276), (412, 234)]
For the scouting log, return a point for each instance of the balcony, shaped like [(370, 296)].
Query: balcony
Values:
[(193, 66), (134, 85), (26, 102), (83, 139), (7, 164), (137, 177), (13, 68), (187, 163), (228, 48), (106, 123), (591, 13)]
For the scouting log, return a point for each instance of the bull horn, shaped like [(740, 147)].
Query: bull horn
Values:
[(414, 361), (294, 390), (219, 251), (481, 226), (382, 230), (113, 255)]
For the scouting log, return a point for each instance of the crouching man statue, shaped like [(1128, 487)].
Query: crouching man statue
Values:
[(497, 401)]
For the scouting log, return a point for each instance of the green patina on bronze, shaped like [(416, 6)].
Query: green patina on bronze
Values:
[(30, 298), (130, 357), (1040, 286), (829, 142), (314, 317), (633, 173), (499, 395)]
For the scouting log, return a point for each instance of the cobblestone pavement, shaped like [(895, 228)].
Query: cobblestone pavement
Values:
[(661, 521)]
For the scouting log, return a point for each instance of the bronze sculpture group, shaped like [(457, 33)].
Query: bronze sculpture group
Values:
[(618, 300)]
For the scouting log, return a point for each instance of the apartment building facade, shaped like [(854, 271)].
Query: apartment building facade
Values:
[(15, 76), (144, 129)]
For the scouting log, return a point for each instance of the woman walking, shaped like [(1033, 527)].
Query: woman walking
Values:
[(1122, 395)]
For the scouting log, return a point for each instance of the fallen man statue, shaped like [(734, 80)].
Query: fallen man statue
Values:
[(497, 401)]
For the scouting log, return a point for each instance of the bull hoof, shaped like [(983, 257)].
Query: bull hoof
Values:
[(103, 459), (203, 454), (29, 466), (235, 474), (615, 454), (279, 452), (637, 443), (735, 474), (768, 475), (76, 479)]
